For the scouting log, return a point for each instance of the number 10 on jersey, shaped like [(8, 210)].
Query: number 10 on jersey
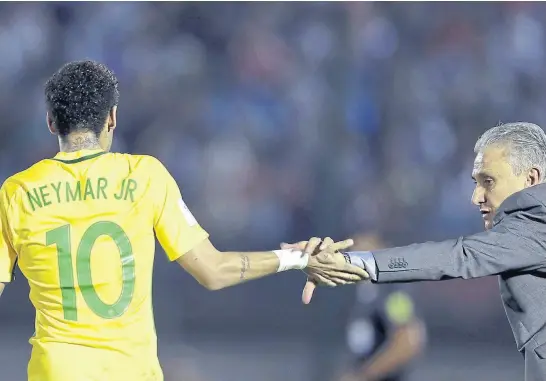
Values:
[(61, 237)]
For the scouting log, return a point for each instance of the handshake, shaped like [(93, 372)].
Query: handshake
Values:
[(327, 265)]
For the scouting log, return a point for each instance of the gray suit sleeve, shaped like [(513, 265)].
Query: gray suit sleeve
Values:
[(517, 242)]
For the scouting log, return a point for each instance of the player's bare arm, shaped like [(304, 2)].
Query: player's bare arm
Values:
[(216, 270), (2, 285)]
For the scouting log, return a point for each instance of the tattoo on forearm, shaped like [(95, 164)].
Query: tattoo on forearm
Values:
[(245, 265)]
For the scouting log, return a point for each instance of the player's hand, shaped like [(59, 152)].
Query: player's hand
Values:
[(327, 266)]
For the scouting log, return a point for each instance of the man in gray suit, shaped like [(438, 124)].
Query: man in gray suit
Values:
[(510, 173)]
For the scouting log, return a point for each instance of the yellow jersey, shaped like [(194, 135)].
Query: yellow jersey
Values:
[(81, 228)]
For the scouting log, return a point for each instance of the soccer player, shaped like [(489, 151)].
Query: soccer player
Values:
[(81, 226)]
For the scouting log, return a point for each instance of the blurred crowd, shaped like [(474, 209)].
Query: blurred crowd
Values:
[(284, 120)]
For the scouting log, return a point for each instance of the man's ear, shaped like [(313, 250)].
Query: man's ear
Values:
[(112, 118), (50, 124), (534, 177)]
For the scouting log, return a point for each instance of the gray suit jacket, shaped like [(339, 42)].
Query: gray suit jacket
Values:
[(514, 249)]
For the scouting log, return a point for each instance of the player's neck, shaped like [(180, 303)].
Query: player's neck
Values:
[(79, 142)]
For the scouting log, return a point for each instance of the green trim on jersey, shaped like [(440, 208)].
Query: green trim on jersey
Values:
[(80, 159)]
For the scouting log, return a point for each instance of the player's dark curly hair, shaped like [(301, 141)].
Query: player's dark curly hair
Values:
[(80, 95)]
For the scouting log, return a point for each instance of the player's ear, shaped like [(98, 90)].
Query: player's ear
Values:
[(112, 118), (50, 125)]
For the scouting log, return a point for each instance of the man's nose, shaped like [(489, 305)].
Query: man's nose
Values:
[(478, 197)]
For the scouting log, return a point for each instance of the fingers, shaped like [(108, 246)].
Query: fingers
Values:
[(297, 246), (333, 267), (312, 246), (326, 242), (363, 274), (320, 279), (327, 250), (342, 245), (323, 280), (341, 277), (307, 247), (326, 258), (308, 291)]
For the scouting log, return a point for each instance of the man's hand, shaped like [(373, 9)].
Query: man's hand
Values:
[(327, 266)]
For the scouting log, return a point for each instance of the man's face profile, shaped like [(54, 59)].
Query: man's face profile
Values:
[(495, 181)]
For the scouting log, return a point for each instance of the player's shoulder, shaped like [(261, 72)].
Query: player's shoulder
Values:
[(18, 180), (137, 160), (143, 167)]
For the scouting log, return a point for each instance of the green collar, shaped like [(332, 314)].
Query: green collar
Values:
[(79, 159)]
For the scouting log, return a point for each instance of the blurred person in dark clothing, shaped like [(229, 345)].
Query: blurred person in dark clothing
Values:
[(384, 332)]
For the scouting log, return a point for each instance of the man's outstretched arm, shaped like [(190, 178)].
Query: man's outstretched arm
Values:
[(216, 270), (517, 242)]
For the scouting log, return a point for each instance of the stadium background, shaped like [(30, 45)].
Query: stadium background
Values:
[(280, 122)]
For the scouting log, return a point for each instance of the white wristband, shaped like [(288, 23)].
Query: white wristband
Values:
[(291, 259)]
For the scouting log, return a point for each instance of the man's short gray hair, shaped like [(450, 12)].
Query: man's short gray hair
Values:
[(526, 144)]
